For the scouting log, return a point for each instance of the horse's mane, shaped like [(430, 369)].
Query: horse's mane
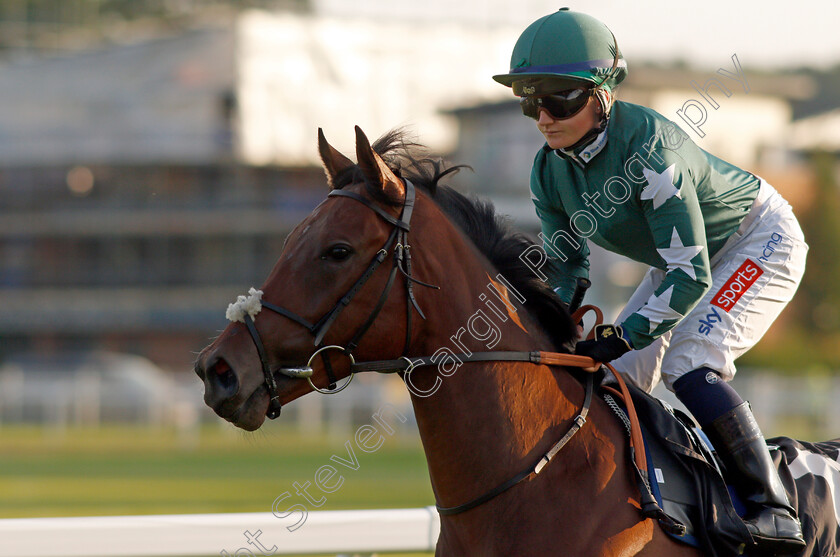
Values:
[(491, 233)]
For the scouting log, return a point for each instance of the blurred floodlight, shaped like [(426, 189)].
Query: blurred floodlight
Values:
[(80, 180)]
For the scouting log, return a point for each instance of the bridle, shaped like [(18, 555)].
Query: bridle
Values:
[(398, 238)]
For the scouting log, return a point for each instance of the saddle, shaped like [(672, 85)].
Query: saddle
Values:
[(682, 484), (680, 480)]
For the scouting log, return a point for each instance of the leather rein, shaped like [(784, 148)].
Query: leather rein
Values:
[(402, 263)]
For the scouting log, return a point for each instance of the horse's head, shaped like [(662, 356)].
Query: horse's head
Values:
[(331, 287), (347, 286)]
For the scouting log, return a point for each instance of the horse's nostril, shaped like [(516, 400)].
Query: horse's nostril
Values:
[(221, 367), (227, 379), (222, 377)]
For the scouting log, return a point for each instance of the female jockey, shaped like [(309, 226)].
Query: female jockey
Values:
[(726, 253)]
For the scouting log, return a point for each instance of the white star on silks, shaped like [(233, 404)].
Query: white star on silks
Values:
[(660, 187), (658, 309), (678, 256)]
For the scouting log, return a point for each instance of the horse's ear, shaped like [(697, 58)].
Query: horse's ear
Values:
[(375, 169), (334, 162)]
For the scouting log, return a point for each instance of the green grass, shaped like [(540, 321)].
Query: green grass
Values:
[(127, 470), (124, 470)]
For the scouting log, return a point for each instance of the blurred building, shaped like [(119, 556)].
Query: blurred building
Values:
[(146, 184), (297, 74), (126, 221)]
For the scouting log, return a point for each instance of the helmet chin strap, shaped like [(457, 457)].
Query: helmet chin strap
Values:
[(605, 99), (588, 136)]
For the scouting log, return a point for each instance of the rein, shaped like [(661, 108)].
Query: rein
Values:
[(586, 363), (534, 469)]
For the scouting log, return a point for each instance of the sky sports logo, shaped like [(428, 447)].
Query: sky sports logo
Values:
[(740, 281)]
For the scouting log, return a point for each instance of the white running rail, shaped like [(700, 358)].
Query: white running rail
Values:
[(210, 535)]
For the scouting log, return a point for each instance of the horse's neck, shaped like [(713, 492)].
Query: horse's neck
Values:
[(488, 421), (482, 423)]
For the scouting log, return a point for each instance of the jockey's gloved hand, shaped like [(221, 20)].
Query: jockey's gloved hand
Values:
[(609, 343)]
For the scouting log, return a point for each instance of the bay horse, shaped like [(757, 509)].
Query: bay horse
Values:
[(462, 289)]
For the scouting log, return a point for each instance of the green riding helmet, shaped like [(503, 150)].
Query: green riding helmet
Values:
[(562, 51)]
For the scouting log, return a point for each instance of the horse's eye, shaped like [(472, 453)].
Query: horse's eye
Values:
[(337, 253)]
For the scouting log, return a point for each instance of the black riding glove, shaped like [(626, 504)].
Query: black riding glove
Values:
[(609, 343)]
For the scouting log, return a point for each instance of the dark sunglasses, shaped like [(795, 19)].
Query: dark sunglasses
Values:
[(561, 106)]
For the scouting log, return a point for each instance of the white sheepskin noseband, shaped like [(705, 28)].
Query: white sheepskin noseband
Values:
[(243, 305)]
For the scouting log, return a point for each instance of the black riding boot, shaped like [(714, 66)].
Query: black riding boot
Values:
[(770, 518)]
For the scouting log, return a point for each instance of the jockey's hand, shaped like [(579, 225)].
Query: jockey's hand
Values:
[(609, 343)]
